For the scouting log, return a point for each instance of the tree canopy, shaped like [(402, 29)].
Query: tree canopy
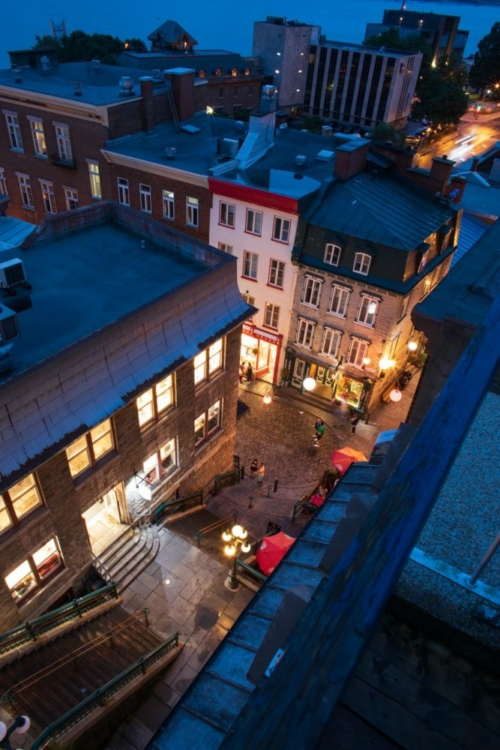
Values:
[(486, 68), (441, 100), (81, 47)]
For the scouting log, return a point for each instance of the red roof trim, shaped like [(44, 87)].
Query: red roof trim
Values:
[(253, 195)]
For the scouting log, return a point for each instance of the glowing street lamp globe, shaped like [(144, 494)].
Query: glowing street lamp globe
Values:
[(309, 384), (413, 346), (395, 395)]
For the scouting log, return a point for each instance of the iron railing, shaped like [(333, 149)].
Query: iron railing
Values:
[(99, 697), (32, 629), (176, 505), (231, 520)]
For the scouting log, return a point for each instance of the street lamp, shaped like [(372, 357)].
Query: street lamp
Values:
[(309, 384), (412, 346), (385, 364), (21, 725), (236, 540)]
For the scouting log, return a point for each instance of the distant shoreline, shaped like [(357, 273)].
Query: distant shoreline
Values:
[(491, 3)]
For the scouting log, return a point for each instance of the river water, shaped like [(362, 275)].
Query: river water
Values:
[(223, 24)]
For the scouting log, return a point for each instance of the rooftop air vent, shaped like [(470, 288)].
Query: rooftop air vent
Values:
[(229, 147), (325, 155), (45, 63), (170, 152), (11, 273), (269, 91), (157, 76), (126, 86), (239, 124), (327, 130), (8, 325), (300, 160), (283, 126)]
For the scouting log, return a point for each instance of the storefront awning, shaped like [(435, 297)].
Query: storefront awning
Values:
[(251, 330)]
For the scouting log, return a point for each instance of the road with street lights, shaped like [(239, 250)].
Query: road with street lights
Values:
[(473, 137)]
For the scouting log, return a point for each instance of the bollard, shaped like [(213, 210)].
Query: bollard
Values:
[(275, 486), (250, 504), (242, 473)]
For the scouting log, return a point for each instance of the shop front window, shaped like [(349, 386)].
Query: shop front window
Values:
[(35, 572), (350, 391)]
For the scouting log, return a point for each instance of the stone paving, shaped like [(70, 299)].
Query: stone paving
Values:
[(184, 587)]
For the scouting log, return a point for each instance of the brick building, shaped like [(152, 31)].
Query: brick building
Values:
[(118, 387), (371, 250)]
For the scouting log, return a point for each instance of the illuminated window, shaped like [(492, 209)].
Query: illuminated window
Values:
[(209, 362), (95, 179), (154, 402), (160, 464), (168, 204), (38, 135), (207, 423), (18, 501), (367, 310), (36, 571), (86, 452)]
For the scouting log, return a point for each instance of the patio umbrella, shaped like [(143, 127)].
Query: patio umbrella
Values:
[(271, 550), (357, 455)]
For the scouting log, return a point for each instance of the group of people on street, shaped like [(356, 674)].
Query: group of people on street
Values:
[(246, 372), (319, 431), (257, 469)]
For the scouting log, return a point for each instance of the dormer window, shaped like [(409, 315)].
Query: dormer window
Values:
[(332, 254), (218, 73), (361, 263), (201, 73), (234, 72)]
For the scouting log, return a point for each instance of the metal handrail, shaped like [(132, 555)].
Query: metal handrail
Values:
[(101, 569), (163, 508), (254, 573), (98, 698), (10, 695), (30, 630), (234, 475), (213, 526)]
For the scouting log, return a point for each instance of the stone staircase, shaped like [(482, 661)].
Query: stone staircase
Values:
[(128, 555)]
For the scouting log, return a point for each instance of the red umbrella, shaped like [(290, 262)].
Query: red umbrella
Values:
[(342, 461), (271, 550)]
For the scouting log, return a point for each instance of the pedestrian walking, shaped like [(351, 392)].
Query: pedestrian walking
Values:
[(354, 422), (260, 474), (243, 367), (253, 468), (249, 373), (319, 427)]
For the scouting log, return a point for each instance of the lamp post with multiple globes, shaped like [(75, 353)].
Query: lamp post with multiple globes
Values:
[(235, 539), (20, 726)]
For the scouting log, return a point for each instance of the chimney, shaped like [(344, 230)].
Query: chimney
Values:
[(261, 128), (440, 174), (455, 190), (350, 158), (182, 83), (147, 110)]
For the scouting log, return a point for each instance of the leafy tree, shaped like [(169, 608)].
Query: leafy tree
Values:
[(486, 68), (390, 39), (80, 47), (385, 132), (442, 100)]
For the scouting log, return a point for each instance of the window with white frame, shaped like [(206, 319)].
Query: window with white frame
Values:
[(276, 273), (16, 141), (281, 229), (49, 198), (331, 342), (404, 306), (63, 142), (250, 262), (145, 198), (3, 182), (38, 135), (168, 204), (34, 572), (209, 362), (312, 291), (95, 179), (332, 254), (207, 423), (192, 208), (26, 191), (305, 332), (154, 403), (18, 500), (225, 247), (226, 214), (248, 299), (367, 311), (358, 350), (253, 223), (71, 197), (361, 263), (161, 463), (86, 452), (123, 191), (271, 315), (339, 300)]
